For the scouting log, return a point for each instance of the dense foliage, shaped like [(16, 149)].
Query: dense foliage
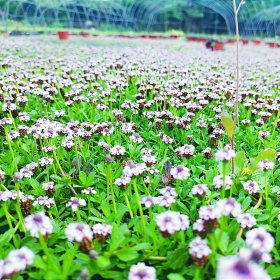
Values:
[(115, 161)]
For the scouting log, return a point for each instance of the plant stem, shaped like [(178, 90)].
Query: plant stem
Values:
[(7, 214), (259, 202), (77, 155), (223, 192), (239, 234), (46, 252), (78, 215), (70, 260), (139, 204), (197, 273), (18, 209), (157, 258), (236, 10), (266, 189), (110, 187), (128, 205)]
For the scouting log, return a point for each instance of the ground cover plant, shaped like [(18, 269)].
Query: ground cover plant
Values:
[(116, 163)]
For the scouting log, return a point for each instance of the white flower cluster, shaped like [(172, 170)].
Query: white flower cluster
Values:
[(170, 222)]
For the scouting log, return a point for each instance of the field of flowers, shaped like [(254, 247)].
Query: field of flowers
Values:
[(117, 163)]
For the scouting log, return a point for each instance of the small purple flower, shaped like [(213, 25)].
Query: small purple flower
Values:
[(199, 250), (199, 190), (170, 222), (237, 268), (265, 165), (251, 186), (259, 239), (75, 202), (180, 172), (229, 206), (141, 271), (226, 154), (246, 220), (38, 223)]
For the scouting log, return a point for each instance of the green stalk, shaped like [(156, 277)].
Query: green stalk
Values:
[(197, 273), (128, 205), (139, 204), (44, 246), (110, 187), (18, 209), (266, 189), (77, 155), (70, 259), (8, 215), (223, 192), (11, 150), (78, 215), (62, 172)]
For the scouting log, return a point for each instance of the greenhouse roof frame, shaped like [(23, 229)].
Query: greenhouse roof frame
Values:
[(131, 13)]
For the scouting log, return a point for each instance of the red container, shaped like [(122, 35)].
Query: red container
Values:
[(273, 45), (245, 42), (218, 46), (63, 35), (256, 42), (230, 41), (85, 35), (174, 36), (202, 40)]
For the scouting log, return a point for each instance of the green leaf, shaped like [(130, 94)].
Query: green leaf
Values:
[(83, 177), (246, 203), (105, 207), (103, 262), (116, 275), (6, 237), (127, 254), (228, 123), (118, 236), (34, 183), (223, 245), (178, 258), (175, 276), (90, 179), (239, 162), (274, 271), (278, 236), (262, 218), (68, 260)]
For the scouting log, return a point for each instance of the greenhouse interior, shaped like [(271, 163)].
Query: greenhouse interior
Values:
[(139, 139)]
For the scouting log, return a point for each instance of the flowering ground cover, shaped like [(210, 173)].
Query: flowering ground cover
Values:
[(116, 161)]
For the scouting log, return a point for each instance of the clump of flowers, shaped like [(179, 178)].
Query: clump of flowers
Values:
[(38, 224), (170, 222), (75, 203), (199, 251), (251, 186), (240, 268), (80, 233), (101, 231), (134, 169), (141, 271), (265, 165), (246, 220), (180, 172), (226, 154), (218, 182), (16, 261), (199, 190)]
